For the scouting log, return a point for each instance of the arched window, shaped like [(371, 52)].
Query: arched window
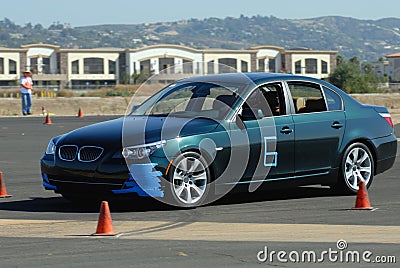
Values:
[(261, 65), (187, 66), (324, 67), (145, 67), (46, 65), (34, 64), (244, 66), (12, 67), (165, 63), (297, 67), (1, 65), (93, 66), (272, 65), (229, 65), (112, 67), (210, 67), (75, 67), (311, 66)]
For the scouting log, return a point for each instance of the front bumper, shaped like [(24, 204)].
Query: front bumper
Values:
[(111, 179)]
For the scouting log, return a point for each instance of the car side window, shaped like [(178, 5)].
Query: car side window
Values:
[(333, 100), (307, 97), (265, 101), (273, 93)]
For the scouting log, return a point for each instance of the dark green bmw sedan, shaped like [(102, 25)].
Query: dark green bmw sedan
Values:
[(202, 137)]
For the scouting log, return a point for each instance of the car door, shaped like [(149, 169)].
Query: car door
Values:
[(270, 134), (318, 127)]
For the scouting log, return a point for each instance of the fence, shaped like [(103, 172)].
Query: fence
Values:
[(36, 94), (57, 88)]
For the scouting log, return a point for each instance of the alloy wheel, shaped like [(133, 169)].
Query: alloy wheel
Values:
[(358, 166), (189, 180)]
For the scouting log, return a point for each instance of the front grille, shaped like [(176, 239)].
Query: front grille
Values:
[(68, 152), (84, 154), (89, 153)]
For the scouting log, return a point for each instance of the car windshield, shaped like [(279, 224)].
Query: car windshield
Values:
[(191, 99)]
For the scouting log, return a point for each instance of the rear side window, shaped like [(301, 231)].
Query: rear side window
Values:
[(307, 97), (333, 100)]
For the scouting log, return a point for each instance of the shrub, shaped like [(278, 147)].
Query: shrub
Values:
[(65, 93)]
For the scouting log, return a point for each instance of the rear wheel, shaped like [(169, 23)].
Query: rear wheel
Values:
[(189, 180), (357, 164)]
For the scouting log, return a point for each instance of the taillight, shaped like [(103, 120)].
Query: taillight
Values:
[(388, 118)]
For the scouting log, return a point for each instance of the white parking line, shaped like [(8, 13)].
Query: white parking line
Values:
[(205, 231)]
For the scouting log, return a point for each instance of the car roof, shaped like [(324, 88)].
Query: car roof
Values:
[(259, 78), (247, 77)]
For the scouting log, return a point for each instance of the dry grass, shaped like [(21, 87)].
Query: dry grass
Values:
[(119, 90), (66, 93), (118, 105)]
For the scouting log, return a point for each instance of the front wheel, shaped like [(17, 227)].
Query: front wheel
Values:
[(189, 180), (357, 164)]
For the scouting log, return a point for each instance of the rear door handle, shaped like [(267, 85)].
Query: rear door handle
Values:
[(337, 125), (286, 130)]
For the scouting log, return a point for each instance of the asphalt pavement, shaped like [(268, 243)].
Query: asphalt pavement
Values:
[(40, 229)]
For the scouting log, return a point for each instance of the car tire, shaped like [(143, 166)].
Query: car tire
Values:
[(189, 180), (357, 163)]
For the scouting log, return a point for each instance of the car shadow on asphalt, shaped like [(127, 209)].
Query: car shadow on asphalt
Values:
[(61, 205), (277, 194)]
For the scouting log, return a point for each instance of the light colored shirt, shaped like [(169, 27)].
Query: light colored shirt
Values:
[(27, 81)]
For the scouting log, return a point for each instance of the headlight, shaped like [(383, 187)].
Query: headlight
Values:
[(51, 148), (142, 151)]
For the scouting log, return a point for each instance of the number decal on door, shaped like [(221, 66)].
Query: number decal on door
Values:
[(269, 155)]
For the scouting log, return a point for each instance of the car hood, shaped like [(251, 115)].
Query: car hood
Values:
[(136, 130)]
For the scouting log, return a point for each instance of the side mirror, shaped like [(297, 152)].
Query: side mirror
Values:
[(239, 122), (251, 114), (134, 107)]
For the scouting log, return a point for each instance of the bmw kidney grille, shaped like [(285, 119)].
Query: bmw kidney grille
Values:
[(68, 152), (89, 153), (84, 154)]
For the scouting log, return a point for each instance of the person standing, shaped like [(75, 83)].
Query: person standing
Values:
[(26, 84)]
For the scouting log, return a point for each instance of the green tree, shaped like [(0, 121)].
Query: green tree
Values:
[(354, 60), (339, 59), (38, 27), (125, 78), (348, 76), (139, 78)]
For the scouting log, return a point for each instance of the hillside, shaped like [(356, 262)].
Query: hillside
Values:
[(367, 39)]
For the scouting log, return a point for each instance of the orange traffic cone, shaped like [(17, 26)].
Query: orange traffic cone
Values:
[(104, 225), (80, 114), (48, 120), (362, 201), (44, 110), (3, 191)]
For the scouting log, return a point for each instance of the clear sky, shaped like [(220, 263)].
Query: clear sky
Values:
[(81, 13)]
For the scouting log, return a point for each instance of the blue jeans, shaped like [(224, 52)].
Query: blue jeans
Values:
[(26, 103)]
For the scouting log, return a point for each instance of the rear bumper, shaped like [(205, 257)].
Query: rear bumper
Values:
[(386, 151)]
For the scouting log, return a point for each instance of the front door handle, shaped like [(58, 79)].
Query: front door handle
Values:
[(337, 125), (286, 130)]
